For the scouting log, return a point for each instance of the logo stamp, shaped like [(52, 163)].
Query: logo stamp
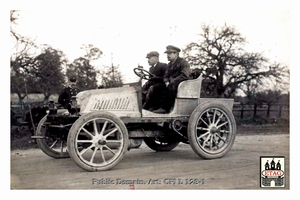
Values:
[(272, 171)]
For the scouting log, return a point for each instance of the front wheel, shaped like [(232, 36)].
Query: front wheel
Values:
[(98, 141), (211, 130)]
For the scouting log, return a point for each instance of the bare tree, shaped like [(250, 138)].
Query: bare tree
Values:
[(111, 77), (92, 52), (226, 66), (22, 60), (13, 20)]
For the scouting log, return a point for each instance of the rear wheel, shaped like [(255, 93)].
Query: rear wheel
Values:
[(211, 130), (52, 146), (160, 144), (98, 141)]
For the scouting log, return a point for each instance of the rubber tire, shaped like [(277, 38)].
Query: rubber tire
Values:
[(77, 126), (43, 145), (152, 144), (192, 132)]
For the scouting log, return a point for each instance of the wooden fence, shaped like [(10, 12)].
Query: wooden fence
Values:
[(19, 110), (242, 111)]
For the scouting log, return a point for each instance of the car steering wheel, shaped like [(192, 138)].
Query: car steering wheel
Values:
[(143, 74)]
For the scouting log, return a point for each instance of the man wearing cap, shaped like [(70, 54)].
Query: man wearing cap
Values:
[(178, 70), (153, 89), (67, 93)]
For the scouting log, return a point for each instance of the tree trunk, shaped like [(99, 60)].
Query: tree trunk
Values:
[(46, 99), (21, 98)]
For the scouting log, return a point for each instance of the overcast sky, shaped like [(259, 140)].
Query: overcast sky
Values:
[(127, 30)]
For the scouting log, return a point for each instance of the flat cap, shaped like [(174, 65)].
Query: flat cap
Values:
[(72, 79), (172, 49), (152, 53)]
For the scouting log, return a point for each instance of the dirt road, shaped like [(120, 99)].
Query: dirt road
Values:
[(146, 169)]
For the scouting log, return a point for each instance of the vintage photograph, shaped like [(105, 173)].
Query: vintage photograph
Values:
[(150, 95)]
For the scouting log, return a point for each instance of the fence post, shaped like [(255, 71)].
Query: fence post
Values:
[(242, 111), (280, 110), (268, 109), (254, 111)]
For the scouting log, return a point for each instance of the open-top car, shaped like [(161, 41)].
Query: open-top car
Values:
[(103, 124)]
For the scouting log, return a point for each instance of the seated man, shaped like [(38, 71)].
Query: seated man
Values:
[(153, 89), (178, 70), (65, 96)]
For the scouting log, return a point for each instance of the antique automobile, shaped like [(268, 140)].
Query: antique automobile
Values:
[(101, 125)]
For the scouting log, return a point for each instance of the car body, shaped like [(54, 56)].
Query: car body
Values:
[(103, 124)]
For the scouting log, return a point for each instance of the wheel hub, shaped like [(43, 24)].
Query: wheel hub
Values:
[(214, 130), (102, 142)]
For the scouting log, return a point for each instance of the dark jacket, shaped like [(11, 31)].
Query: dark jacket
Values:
[(66, 95), (158, 70), (178, 71)]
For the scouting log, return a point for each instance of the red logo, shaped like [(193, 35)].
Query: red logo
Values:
[(273, 173)]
